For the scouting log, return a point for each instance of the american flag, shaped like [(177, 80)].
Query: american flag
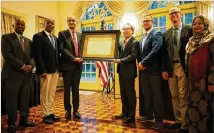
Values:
[(103, 72)]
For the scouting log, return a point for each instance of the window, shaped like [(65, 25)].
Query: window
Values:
[(187, 18), (96, 9), (88, 71), (160, 23)]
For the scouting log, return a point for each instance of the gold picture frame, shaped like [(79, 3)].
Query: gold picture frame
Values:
[(99, 45)]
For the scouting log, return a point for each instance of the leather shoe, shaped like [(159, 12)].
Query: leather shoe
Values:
[(26, 123), (120, 116), (48, 120), (77, 115), (68, 115), (11, 128), (173, 126), (182, 131), (54, 117)]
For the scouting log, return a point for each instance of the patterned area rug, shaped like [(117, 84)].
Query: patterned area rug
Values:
[(97, 117)]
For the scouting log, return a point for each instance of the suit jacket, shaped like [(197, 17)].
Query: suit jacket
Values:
[(67, 51), (167, 59), (150, 54), (127, 67), (46, 57), (14, 56)]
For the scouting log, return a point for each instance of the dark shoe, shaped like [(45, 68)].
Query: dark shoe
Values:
[(142, 119), (54, 117), (26, 123), (182, 131), (48, 120), (11, 128), (77, 115), (128, 120), (120, 116), (173, 126), (68, 115), (157, 125)]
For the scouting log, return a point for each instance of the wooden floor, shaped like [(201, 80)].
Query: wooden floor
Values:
[(97, 117)]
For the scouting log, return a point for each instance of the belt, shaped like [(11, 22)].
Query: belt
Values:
[(176, 61)]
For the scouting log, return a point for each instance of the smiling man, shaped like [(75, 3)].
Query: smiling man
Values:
[(127, 71), (71, 66), (16, 74), (46, 57), (173, 67)]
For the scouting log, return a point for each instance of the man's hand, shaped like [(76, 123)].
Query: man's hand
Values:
[(211, 88), (27, 68), (141, 67), (78, 60), (165, 75), (44, 75), (117, 61)]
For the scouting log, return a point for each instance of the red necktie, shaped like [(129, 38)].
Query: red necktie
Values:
[(75, 43)]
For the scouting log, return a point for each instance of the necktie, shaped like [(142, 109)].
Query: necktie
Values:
[(75, 43), (52, 40), (124, 44), (22, 43), (177, 37)]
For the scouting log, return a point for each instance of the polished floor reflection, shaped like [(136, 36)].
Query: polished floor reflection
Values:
[(97, 117)]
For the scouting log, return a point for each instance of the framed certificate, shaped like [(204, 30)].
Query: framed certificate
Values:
[(99, 45)]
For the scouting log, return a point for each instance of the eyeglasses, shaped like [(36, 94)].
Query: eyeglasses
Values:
[(175, 13), (200, 23), (126, 29)]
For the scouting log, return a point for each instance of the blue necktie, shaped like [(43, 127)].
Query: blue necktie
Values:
[(143, 41)]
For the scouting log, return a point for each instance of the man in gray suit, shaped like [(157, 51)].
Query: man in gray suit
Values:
[(173, 67), (16, 74), (71, 66)]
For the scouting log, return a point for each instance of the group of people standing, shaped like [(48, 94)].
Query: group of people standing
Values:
[(183, 55), (50, 55)]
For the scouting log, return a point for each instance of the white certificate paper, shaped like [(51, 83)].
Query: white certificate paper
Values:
[(99, 46)]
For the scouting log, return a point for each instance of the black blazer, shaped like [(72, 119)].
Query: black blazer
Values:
[(150, 54), (45, 56), (14, 56), (67, 51), (167, 57), (127, 67)]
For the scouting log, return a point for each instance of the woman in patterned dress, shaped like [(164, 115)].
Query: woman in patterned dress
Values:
[(200, 66)]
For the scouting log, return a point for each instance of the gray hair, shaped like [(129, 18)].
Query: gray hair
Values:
[(131, 26)]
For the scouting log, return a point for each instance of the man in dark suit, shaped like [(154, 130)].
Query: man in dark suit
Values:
[(173, 67), (150, 73), (46, 58), (127, 70), (16, 74), (71, 66)]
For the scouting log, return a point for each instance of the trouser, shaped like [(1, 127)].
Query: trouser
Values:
[(47, 93)]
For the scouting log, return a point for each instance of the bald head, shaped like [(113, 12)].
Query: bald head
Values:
[(72, 22), (49, 25), (19, 26)]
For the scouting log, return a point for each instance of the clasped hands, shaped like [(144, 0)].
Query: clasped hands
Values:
[(27, 68)]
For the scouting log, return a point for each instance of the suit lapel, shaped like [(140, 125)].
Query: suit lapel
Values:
[(147, 39), (47, 39), (68, 38), (18, 42), (127, 45), (182, 35)]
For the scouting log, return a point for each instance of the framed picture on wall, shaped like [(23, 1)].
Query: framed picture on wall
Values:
[(40, 23), (99, 45)]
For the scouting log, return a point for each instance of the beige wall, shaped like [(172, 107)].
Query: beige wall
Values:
[(30, 10)]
